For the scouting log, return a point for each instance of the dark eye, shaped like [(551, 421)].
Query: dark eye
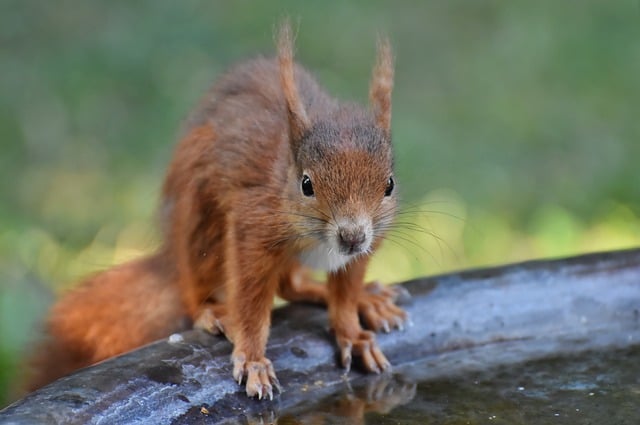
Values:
[(307, 187), (390, 185)]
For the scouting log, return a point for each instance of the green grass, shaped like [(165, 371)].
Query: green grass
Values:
[(515, 127)]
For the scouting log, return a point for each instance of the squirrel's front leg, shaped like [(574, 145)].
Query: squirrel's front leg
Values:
[(252, 283), (345, 287)]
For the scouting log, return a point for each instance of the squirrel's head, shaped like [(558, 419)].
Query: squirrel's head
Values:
[(342, 182)]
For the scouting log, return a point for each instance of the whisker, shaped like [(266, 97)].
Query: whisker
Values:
[(315, 233), (419, 212), (395, 227), (322, 213), (397, 238), (297, 214), (421, 204), (406, 238)]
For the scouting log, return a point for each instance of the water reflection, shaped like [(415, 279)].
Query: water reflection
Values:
[(376, 395), (588, 388)]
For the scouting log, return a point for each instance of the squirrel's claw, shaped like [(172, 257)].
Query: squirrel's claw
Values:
[(260, 376), (365, 346), (239, 365), (396, 293), (377, 307), (345, 353), (274, 380), (402, 294)]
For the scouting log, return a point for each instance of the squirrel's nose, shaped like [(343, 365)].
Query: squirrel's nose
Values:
[(352, 240)]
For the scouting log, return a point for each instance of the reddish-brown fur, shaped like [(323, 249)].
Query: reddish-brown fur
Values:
[(109, 314), (237, 226)]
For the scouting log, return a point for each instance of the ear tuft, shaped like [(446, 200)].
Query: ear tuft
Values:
[(382, 85), (298, 120)]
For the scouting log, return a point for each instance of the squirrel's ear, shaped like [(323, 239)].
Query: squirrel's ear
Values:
[(299, 123), (382, 85)]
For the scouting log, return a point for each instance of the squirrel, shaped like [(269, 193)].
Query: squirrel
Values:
[(272, 178)]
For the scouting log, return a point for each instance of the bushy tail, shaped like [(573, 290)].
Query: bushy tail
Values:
[(110, 313)]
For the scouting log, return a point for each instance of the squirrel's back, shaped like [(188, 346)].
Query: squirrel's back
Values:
[(252, 91), (237, 137), (245, 111)]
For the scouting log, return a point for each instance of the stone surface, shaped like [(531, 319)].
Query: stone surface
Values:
[(468, 320)]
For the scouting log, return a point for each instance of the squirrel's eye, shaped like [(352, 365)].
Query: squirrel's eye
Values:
[(390, 185), (307, 187)]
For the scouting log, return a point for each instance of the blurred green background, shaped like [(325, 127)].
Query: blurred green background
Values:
[(516, 127)]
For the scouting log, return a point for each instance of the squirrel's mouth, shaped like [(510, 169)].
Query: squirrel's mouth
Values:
[(353, 236), (324, 256), (338, 244), (352, 244)]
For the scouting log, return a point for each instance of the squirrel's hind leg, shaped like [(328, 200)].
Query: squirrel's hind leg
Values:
[(214, 318), (299, 286)]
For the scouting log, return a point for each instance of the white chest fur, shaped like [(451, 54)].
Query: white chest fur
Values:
[(324, 257)]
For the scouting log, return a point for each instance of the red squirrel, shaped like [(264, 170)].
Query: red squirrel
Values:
[(272, 177)]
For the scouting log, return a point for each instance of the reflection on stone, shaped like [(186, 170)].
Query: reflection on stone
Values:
[(375, 394)]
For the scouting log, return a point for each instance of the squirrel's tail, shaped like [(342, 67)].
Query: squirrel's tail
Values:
[(110, 313)]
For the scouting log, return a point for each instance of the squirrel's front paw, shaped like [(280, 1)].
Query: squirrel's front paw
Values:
[(377, 306), (260, 376), (364, 345)]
